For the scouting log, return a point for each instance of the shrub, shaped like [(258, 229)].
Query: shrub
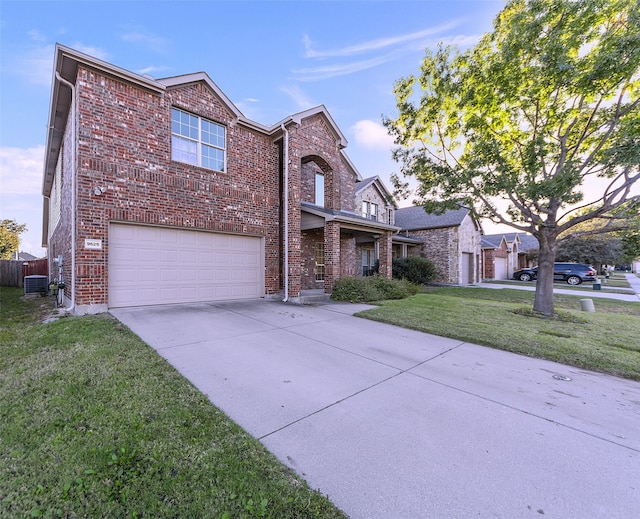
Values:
[(373, 288), (414, 269)]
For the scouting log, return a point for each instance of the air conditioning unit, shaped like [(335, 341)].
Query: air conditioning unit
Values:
[(36, 284)]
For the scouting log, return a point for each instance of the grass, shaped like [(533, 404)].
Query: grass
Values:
[(607, 341), (94, 423)]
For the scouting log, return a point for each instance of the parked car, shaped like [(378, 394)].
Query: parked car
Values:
[(572, 273)]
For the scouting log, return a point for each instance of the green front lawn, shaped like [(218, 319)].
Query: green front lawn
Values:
[(607, 340), (94, 423)]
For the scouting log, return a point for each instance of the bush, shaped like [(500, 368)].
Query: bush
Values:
[(373, 288), (414, 269)]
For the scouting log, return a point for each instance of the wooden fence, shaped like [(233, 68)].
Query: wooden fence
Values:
[(12, 272)]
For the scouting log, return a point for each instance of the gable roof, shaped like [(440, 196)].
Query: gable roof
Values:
[(492, 241), (66, 62), (179, 81), (377, 184), (528, 242), (416, 218)]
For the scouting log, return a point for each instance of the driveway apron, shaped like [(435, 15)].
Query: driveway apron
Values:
[(390, 422)]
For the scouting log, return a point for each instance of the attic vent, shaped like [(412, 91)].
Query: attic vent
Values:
[(36, 284)]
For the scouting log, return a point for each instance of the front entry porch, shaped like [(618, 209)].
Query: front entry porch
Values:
[(335, 244)]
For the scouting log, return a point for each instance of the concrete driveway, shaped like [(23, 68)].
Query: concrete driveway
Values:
[(392, 423)]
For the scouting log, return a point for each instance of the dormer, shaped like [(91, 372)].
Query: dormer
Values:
[(374, 201)]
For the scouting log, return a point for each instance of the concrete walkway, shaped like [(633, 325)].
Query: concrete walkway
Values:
[(392, 423), (634, 282)]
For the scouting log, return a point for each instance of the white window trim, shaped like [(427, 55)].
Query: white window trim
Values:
[(199, 143), (317, 202)]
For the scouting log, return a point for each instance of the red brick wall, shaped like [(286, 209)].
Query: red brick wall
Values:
[(314, 148), (488, 264), (60, 238), (349, 265), (125, 147), (308, 261)]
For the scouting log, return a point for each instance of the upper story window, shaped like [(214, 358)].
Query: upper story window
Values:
[(319, 192), (197, 141), (370, 210)]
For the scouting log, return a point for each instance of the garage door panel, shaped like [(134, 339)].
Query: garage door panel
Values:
[(500, 268), (152, 265)]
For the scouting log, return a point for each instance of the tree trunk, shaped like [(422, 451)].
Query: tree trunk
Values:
[(543, 300)]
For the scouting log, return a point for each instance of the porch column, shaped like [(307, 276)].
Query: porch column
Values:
[(331, 255), (385, 257)]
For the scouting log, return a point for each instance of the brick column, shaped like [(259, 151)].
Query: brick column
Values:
[(294, 215), (331, 255), (385, 254)]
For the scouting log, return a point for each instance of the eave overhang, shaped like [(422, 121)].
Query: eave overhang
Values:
[(66, 62), (354, 223)]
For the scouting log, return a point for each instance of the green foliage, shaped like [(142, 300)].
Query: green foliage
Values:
[(372, 288), (604, 249), (631, 246), (414, 269), (541, 106), (9, 237)]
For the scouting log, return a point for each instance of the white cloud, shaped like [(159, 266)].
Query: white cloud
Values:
[(143, 38), (151, 70), (381, 50), (372, 135), (36, 64), (20, 188), (21, 170), (91, 51), (299, 97), (373, 45), (328, 71)]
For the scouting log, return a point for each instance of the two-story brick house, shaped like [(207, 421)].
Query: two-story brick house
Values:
[(161, 191)]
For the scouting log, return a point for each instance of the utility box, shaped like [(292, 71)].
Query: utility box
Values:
[(36, 284)]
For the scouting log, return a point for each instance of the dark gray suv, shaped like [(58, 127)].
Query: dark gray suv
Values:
[(572, 273)]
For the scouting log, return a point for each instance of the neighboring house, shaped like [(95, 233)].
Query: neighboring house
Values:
[(503, 254), (495, 257), (451, 240), (161, 191), (375, 202), (527, 250), (24, 256)]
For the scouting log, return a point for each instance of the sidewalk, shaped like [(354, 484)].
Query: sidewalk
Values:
[(633, 280)]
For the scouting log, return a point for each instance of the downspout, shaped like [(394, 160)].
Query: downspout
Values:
[(286, 213), (73, 189)]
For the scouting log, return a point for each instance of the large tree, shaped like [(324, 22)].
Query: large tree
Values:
[(517, 127), (10, 231)]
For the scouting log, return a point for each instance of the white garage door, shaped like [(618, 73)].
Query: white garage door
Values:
[(501, 268), (155, 265)]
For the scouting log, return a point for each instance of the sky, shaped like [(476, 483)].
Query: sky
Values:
[(272, 58)]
